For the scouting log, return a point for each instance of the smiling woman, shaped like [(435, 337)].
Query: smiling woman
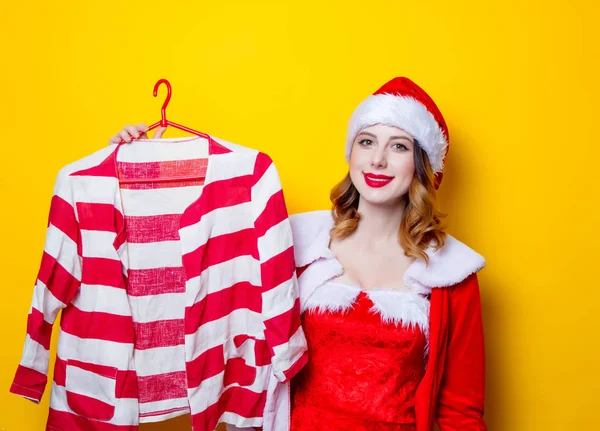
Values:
[(383, 288)]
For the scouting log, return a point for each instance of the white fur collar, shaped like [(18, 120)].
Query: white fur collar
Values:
[(311, 236), (447, 266), (332, 297), (405, 308)]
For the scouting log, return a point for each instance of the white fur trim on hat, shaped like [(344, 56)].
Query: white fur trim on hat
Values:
[(405, 113)]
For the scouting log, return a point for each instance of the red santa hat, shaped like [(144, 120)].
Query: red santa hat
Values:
[(402, 103)]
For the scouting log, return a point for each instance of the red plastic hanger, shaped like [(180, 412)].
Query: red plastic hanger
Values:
[(164, 123)]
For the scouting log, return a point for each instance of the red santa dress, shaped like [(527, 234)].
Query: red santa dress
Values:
[(383, 359), (367, 351)]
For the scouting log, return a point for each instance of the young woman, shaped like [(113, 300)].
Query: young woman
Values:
[(390, 301)]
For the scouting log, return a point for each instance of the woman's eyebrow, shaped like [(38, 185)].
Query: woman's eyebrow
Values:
[(402, 137)]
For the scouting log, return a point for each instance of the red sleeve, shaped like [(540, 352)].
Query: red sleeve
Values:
[(58, 282), (462, 391)]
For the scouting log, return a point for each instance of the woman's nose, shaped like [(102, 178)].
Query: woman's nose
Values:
[(378, 160)]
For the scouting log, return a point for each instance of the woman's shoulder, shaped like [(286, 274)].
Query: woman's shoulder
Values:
[(310, 231), (448, 266)]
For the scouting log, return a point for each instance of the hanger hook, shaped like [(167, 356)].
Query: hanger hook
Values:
[(163, 120)]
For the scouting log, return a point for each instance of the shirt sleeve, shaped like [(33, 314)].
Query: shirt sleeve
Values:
[(280, 302), (57, 283), (462, 390)]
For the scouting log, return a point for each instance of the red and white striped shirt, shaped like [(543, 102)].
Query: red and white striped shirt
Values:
[(176, 297)]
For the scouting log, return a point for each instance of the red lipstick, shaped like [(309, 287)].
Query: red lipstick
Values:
[(377, 181)]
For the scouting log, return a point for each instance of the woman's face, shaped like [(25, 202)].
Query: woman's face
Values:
[(382, 164)]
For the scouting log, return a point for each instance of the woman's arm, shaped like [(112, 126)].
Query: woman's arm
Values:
[(462, 391)]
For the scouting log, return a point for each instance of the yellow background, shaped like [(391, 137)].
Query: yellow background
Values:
[(518, 84)]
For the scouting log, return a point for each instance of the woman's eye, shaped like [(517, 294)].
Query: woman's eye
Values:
[(365, 142), (400, 147)]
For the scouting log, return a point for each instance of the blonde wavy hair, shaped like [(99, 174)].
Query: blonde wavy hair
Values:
[(421, 225)]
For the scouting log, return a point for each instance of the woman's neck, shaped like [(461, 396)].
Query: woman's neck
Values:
[(379, 223)]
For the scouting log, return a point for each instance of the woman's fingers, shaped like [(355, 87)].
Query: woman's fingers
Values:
[(124, 135), (132, 130), (142, 129)]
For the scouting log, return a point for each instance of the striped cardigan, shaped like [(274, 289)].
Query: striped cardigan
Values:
[(240, 326)]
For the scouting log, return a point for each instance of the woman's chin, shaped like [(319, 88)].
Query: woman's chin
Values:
[(380, 199)]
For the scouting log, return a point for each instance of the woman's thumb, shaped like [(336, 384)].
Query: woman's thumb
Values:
[(159, 132)]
